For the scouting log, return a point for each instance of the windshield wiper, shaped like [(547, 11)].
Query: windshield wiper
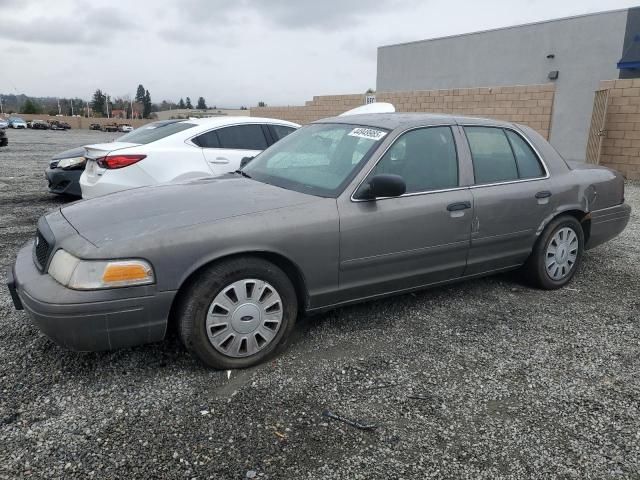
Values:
[(244, 174)]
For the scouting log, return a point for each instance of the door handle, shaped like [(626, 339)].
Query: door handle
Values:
[(454, 207), (220, 161), (543, 194)]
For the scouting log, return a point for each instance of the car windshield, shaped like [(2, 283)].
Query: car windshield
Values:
[(318, 159), (155, 131)]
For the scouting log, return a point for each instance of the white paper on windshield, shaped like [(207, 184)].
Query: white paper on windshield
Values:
[(370, 133)]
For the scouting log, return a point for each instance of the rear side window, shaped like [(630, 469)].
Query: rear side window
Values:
[(527, 161), (242, 137), (155, 131), (493, 159), (280, 131), (207, 140)]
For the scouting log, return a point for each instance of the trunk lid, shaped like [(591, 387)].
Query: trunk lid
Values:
[(99, 150)]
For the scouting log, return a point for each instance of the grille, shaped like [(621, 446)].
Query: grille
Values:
[(42, 250)]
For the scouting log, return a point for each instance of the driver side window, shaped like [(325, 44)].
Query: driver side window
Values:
[(425, 158)]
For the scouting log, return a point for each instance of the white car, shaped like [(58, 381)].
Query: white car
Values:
[(175, 150)]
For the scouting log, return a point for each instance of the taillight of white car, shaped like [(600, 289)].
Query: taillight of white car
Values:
[(112, 162)]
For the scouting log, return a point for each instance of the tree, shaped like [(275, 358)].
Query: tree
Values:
[(188, 104), (98, 102), (262, 104), (146, 104), (181, 104), (29, 106), (202, 105), (140, 92)]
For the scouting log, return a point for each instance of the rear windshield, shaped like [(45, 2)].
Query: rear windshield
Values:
[(155, 131)]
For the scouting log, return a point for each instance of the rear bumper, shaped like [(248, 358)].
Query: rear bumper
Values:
[(92, 320), (607, 223), (65, 182)]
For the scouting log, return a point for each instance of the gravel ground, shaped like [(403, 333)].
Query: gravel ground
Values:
[(484, 379)]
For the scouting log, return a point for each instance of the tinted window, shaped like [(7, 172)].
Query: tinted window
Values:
[(207, 140), (528, 164), (426, 159), (280, 131), (493, 159), (243, 137), (155, 131)]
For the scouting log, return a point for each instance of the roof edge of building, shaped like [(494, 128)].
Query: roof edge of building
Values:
[(477, 32)]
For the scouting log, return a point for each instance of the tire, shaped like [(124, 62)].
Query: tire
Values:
[(208, 315), (558, 236)]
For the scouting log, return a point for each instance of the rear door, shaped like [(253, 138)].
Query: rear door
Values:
[(225, 147), (512, 195)]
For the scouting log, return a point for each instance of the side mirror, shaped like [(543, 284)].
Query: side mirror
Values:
[(245, 161), (383, 185)]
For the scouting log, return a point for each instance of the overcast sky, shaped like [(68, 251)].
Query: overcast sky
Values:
[(233, 52)]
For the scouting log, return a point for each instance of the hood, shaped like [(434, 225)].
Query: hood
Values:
[(150, 210), (101, 149), (74, 152)]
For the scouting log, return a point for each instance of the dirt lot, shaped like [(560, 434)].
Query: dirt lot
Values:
[(484, 379)]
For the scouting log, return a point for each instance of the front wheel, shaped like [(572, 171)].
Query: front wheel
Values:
[(238, 313), (557, 254)]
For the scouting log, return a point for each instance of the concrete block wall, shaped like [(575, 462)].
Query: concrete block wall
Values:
[(531, 105), (621, 142)]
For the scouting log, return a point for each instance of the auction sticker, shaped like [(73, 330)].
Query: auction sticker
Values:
[(370, 133)]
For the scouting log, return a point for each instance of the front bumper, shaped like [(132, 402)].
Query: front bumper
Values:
[(607, 223), (88, 320), (64, 182)]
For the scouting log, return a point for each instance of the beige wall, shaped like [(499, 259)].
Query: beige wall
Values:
[(527, 104), (621, 143), (82, 122)]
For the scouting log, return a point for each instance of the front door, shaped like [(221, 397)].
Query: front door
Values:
[(512, 196), (419, 238)]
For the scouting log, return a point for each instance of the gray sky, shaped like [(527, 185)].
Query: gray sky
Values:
[(233, 52)]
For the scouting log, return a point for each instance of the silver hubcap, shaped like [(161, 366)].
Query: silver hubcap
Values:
[(562, 253), (244, 318)]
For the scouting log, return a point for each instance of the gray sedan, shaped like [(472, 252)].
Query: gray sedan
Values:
[(344, 210)]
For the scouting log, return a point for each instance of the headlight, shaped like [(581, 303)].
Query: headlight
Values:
[(71, 162), (98, 274)]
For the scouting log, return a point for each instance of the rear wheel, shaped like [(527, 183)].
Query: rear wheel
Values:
[(238, 313), (557, 254)]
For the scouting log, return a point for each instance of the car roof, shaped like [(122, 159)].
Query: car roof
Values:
[(395, 120), (229, 120)]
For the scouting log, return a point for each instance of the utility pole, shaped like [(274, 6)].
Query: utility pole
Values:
[(72, 107), (59, 112), (1, 109)]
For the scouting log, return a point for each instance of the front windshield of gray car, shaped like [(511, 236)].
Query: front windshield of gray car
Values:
[(318, 159)]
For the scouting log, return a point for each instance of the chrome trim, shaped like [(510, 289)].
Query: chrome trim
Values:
[(189, 140), (412, 194), (517, 132)]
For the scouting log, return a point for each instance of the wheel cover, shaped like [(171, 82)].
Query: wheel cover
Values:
[(562, 253), (244, 318)]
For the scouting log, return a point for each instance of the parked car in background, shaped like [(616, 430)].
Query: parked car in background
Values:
[(125, 127), (64, 171), (17, 122), (59, 125), (38, 125), (4, 123), (4, 141), (174, 150), (110, 127), (343, 210), (95, 126)]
